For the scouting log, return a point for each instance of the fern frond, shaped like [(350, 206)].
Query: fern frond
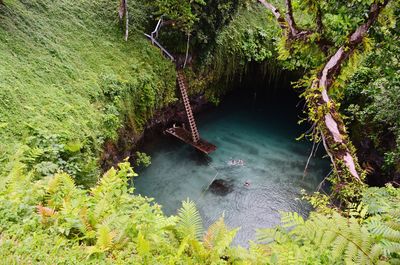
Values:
[(104, 238), (290, 219), (351, 253), (376, 252), (327, 239), (189, 221), (338, 247), (143, 245), (345, 237), (266, 235), (33, 153), (219, 237), (385, 231), (390, 247), (394, 225)]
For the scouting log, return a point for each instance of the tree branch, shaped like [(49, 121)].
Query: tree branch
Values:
[(288, 24), (290, 19), (331, 125), (318, 19), (126, 20), (123, 12), (275, 11), (333, 66)]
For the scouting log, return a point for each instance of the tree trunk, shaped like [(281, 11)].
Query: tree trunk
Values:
[(123, 12), (330, 125)]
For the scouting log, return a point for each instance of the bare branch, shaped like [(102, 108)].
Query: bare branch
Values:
[(288, 25), (123, 12), (276, 13), (309, 157), (126, 20), (320, 25), (290, 19)]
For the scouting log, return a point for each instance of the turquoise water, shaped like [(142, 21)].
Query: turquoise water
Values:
[(262, 135)]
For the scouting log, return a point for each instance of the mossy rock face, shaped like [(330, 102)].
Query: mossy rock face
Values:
[(221, 187)]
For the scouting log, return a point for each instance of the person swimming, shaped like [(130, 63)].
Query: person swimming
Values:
[(234, 162), (247, 183)]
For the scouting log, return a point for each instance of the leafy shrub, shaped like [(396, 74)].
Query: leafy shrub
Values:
[(372, 100), (371, 238), (52, 218), (72, 90), (142, 159)]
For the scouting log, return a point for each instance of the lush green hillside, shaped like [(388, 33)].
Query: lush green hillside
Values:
[(69, 81)]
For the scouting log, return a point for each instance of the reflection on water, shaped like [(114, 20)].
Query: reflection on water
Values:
[(268, 179)]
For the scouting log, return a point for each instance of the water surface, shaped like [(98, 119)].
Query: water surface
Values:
[(261, 134)]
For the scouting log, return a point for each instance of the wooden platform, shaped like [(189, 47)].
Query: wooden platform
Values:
[(186, 137)]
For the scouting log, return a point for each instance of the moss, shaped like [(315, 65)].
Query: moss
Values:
[(66, 71)]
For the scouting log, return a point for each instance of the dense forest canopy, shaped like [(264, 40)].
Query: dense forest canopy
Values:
[(79, 83)]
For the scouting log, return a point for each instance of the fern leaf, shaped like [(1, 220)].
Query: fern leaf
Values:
[(218, 237), (290, 219), (327, 239), (143, 246), (387, 232), (376, 252), (350, 253), (189, 221), (266, 235), (104, 238), (338, 247)]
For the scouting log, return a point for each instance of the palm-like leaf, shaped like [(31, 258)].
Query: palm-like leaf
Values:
[(189, 221)]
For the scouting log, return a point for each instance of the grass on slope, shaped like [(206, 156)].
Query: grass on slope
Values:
[(68, 81)]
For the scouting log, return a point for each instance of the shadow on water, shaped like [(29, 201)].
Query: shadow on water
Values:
[(256, 126)]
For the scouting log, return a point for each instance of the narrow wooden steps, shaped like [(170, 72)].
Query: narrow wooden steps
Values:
[(192, 137), (186, 137), (192, 124)]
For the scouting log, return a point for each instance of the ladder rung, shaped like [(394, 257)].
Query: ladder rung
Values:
[(186, 102)]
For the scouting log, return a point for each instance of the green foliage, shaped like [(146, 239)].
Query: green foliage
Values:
[(245, 39), (331, 238), (142, 159), (180, 11), (52, 221), (69, 81), (61, 97), (46, 155), (189, 221), (372, 100), (218, 238)]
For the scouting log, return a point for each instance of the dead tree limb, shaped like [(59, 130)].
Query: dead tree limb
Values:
[(187, 49), (123, 12)]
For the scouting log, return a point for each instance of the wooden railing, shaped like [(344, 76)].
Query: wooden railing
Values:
[(181, 83)]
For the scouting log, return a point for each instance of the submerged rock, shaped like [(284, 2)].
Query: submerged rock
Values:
[(221, 187)]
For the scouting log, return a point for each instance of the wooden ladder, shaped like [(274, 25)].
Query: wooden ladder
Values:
[(188, 108)]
